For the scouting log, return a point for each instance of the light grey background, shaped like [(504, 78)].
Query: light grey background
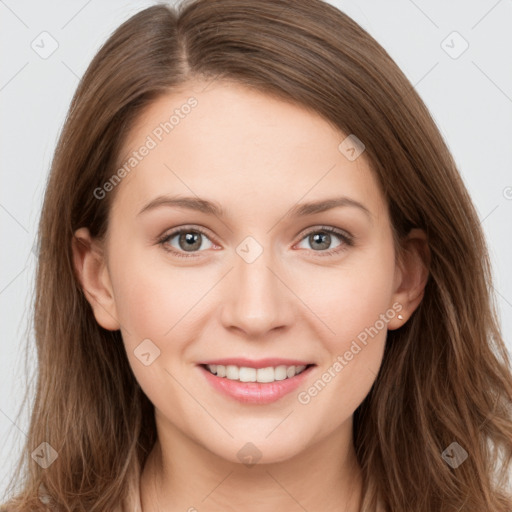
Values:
[(470, 98)]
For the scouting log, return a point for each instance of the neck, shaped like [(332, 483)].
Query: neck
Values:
[(181, 475)]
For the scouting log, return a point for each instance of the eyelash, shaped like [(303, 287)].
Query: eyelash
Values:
[(346, 238)]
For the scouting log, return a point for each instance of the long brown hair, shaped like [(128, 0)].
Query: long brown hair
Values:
[(446, 375)]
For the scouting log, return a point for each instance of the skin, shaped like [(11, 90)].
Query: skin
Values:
[(257, 157)]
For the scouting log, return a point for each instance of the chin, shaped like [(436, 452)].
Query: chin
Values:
[(256, 450)]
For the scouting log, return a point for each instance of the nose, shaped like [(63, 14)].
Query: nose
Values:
[(258, 298)]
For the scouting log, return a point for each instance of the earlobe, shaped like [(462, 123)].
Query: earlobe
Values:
[(92, 272), (411, 276)]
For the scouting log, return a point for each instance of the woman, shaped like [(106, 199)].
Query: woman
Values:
[(197, 349)]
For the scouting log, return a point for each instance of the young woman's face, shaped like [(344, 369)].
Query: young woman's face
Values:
[(262, 282)]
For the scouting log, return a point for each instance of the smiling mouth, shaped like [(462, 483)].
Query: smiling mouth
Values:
[(262, 375)]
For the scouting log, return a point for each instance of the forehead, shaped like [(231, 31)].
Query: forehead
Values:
[(240, 147)]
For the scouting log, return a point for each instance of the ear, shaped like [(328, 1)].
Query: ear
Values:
[(411, 276), (92, 271)]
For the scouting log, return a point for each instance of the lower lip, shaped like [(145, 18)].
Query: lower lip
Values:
[(256, 392)]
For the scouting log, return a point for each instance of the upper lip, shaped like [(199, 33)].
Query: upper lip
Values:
[(256, 363)]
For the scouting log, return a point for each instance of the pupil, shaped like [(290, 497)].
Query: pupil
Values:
[(191, 239), (318, 239)]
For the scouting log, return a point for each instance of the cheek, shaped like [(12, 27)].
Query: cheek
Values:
[(160, 303), (152, 302), (144, 305), (355, 303), (354, 357), (151, 297), (352, 298)]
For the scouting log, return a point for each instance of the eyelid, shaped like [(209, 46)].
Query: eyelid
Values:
[(330, 229), (167, 235), (346, 238), (186, 227)]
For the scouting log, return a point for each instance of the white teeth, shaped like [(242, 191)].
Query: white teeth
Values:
[(247, 374), (266, 375), (232, 372), (280, 373)]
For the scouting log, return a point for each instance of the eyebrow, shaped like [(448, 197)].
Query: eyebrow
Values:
[(214, 208)]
